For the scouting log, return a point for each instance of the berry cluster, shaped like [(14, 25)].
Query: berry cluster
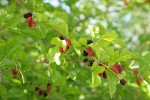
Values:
[(116, 69), (41, 91), (88, 51), (103, 73), (88, 62), (68, 43), (30, 20), (138, 78)]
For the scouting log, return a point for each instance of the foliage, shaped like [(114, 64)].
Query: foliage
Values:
[(120, 34)]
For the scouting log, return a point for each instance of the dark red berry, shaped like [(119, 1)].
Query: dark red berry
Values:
[(45, 94), (48, 87), (29, 21), (135, 72), (85, 60), (139, 81), (61, 38), (85, 53), (117, 68), (89, 41), (61, 50), (93, 54), (14, 71), (28, 15), (122, 81), (89, 51), (68, 42), (33, 24), (36, 88), (100, 74), (104, 75), (41, 92)]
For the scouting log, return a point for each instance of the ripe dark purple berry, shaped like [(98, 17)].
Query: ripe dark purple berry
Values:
[(122, 81), (104, 75), (48, 84), (85, 60), (89, 41), (90, 62), (28, 15), (61, 38), (85, 53), (36, 88)]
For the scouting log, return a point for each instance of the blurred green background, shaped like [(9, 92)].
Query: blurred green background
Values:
[(131, 20)]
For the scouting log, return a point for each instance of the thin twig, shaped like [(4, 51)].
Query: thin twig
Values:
[(23, 5), (104, 65)]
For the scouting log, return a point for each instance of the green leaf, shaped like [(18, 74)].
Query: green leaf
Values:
[(32, 32), (97, 69), (119, 42), (57, 78), (51, 54), (43, 29), (112, 81), (82, 41), (110, 36), (59, 25), (96, 81), (75, 43), (125, 55), (116, 57), (3, 90), (78, 51), (112, 87), (135, 56), (10, 48), (103, 43), (40, 46), (56, 41), (41, 17), (102, 30)]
